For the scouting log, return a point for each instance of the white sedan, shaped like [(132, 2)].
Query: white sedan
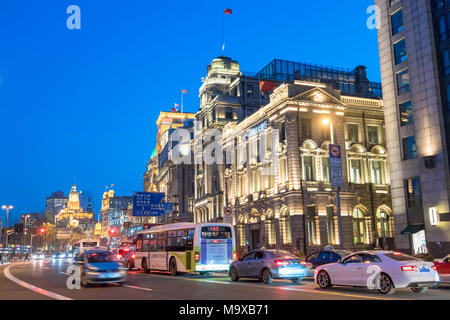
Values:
[(381, 270)]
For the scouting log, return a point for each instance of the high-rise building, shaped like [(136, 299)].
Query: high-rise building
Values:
[(54, 204), (413, 39)]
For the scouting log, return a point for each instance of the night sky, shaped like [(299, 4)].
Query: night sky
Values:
[(82, 104)]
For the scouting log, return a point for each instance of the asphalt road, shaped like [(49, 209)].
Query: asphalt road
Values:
[(46, 280)]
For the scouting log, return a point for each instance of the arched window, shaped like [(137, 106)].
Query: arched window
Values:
[(385, 224), (361, 227)]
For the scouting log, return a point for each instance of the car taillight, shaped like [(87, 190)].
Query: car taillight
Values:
[(433, 267), (197, 257), (280, 263), (303, 263), (133, 256), (409, 268), (119, 256)]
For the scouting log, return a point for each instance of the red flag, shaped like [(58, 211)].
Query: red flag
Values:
[(183, 91), (265, 86), (228, 11), (176, 104)]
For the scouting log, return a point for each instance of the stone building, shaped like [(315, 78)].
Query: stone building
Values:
[(413, 38), (278, 181), (175, 173), (226, 95), (73, 216)]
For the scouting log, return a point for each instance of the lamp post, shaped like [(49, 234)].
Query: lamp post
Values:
[(25, 229), (7, 208), (338, 189)]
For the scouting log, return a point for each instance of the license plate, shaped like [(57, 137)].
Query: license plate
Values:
[(424, 269)]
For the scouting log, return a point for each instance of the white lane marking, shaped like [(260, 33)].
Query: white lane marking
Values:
[(138, 288), (65, 273), (24, 284), (132, 287), (287, 288)]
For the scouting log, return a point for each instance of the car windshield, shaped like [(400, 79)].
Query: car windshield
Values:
[(343, 253), (99, 257), (283, 255), (397, 256)]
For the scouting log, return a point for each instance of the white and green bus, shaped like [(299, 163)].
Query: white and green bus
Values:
[(186, 247)]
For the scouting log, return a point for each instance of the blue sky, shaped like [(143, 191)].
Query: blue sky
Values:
[(83, 103)]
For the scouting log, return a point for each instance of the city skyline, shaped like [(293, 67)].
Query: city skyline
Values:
[(52, 143)]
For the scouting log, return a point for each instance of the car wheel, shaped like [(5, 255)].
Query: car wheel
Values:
[(233, 274), (173, 267), (267, 277), (295, 280), (385, 285), (419, 290), (130, 266), (144, 266), (84, 281), (323, 280)]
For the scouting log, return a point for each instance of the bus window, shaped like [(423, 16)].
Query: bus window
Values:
[(90, 244), (190, 239), (216, 232), (139, 242)]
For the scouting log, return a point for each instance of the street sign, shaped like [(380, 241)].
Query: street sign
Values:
[(168, 208), (228, 215), (148, 204), (335, 165)]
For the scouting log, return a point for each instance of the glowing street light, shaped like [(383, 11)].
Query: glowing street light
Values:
[(7, 208)]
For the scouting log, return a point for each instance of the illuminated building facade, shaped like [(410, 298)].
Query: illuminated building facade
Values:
[(226, 95), (279, 180), (415, 66), (166, 121), (73, 216), (54, 204)]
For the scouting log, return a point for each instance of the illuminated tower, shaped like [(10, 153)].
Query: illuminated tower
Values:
[(74, 199)]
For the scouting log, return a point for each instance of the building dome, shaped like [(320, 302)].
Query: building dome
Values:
[(223, 65)]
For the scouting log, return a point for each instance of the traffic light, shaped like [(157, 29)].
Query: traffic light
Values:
[(41, 231), (113, 232)]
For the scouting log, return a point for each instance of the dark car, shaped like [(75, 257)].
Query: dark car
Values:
[(267, 265), (321, 257)]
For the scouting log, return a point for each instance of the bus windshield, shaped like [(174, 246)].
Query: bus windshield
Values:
[(89, 244), (216, 232)]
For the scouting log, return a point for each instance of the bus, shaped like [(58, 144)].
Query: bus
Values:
[(85, 244), (186, 247)]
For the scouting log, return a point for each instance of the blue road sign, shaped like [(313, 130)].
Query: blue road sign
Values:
[(148, 204), (335, 165)]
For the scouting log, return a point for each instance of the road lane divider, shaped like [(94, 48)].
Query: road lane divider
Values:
[(31, 287)]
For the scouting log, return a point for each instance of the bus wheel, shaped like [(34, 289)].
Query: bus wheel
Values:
[(173, 267), (144, 266)]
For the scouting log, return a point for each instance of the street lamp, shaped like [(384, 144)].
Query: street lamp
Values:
[(326, 122), (7, 208)]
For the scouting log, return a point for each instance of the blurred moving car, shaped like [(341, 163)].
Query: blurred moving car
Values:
[(128, 259), (59, 256), (268, 265), (381, 270), (38, 256), (443, 268), (321, 257), (100, 266)]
